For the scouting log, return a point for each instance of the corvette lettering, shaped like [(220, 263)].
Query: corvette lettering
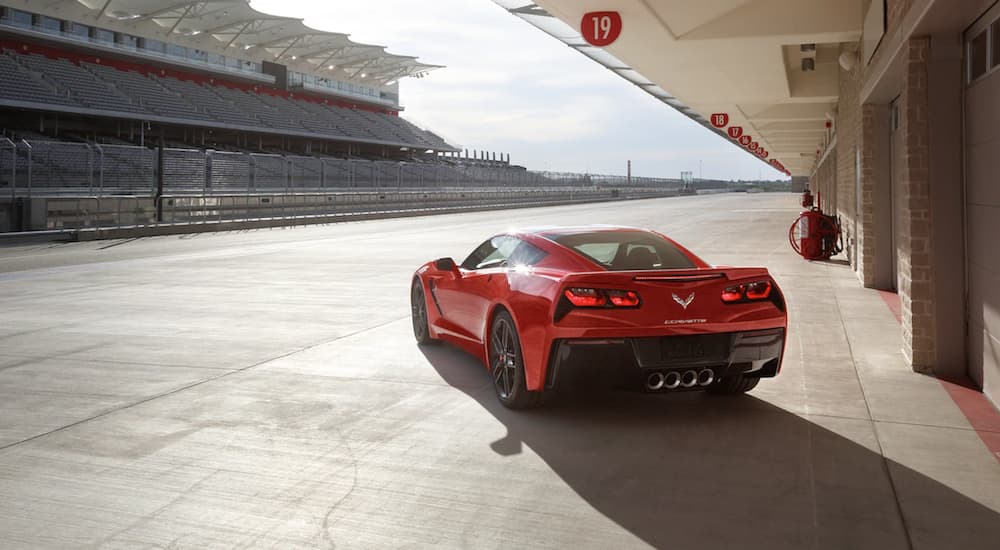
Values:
[(685, 321)]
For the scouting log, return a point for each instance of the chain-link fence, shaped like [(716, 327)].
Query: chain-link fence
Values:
[(50, 168)]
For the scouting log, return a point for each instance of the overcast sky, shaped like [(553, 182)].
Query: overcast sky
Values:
[(510, 88)]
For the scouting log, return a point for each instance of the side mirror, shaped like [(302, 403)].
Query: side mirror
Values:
[(446, 264)]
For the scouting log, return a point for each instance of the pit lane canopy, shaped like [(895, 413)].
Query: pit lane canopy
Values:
[(771, 66), (231, 26)]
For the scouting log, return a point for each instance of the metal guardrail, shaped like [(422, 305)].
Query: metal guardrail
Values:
[(71, 215), (51, 168), (12, 161), (48, 185)]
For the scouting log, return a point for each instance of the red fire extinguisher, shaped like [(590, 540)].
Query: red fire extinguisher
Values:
[(815, 235), (807, 199)]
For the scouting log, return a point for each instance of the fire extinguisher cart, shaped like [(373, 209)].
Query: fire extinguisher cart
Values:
[(815, 235)]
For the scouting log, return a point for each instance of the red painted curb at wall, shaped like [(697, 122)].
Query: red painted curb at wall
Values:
[(891, 299), (978, 410), (981, 414)]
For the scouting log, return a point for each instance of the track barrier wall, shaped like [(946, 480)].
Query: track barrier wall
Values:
[(71, 186)]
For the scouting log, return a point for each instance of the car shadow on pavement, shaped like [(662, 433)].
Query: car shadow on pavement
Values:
[(700, 471)]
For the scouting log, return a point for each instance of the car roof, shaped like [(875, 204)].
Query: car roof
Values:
[(552, 233), (560, 230)]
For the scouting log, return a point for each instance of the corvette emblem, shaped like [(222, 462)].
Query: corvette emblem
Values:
[(683, 302)]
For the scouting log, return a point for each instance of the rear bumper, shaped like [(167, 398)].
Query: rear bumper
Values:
[(754, 353)]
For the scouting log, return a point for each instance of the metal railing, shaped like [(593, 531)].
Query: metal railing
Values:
[(8, 165), (50, 185), (56, 168)]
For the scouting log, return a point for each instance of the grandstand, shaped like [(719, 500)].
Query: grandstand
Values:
[(140, 103), (82, 71), (76, 85)]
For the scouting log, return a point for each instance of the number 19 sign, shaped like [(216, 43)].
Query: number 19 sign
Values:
[(601, 28)]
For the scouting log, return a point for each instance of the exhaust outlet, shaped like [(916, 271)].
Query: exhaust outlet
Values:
[(706, 377), (689, 379), (654, 381), (671, 380)]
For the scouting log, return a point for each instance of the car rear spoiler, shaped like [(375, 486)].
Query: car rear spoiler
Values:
[(679, 276)]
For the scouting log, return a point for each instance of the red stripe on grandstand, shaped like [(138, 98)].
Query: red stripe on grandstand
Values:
[(124, 65)]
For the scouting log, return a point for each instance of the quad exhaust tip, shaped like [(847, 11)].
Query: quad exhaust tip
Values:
[(689, 379), (654, 381), (706, 377), (671, 380), (676, 379)]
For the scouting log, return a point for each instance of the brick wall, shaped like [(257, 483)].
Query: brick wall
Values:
[(867, 236), (824, 182), (856, 128), (915, 271), (913, 236), (848, 126)]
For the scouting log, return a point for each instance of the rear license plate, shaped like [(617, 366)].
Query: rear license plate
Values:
[(703, 347), (675, 348)]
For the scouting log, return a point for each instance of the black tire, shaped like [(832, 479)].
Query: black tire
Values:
[(733, 385), (418, 314), (507, 365)]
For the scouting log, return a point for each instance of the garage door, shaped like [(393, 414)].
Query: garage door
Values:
[(982, 113)]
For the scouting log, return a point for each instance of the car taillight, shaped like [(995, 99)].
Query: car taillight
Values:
[(586, 297), (757, 290), (599, 297), (623, 298), (732, 294)]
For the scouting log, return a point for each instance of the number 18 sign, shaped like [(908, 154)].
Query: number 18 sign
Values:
[(601, 28)]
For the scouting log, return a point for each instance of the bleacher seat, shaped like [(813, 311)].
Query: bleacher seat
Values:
[(147, 92), (39, 79), (74, 81), (19, 85)]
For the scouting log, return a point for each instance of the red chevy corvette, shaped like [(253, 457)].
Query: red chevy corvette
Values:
[(540, 305)]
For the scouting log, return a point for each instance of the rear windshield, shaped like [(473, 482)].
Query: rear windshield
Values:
[(626, 250)]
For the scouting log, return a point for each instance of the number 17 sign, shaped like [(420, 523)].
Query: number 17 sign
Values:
[(601, 28)]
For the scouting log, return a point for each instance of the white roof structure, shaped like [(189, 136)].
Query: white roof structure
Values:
[(771, 66), (233, 27)]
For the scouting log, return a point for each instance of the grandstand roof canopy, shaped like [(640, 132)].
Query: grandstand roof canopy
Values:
[(231, 25)]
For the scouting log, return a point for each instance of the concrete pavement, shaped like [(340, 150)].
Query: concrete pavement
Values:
[(262, 389)]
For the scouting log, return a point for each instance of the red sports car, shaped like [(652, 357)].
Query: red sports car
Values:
[(540, 305)]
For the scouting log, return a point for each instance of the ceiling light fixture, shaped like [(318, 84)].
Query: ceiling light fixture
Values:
[(848, 60)]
